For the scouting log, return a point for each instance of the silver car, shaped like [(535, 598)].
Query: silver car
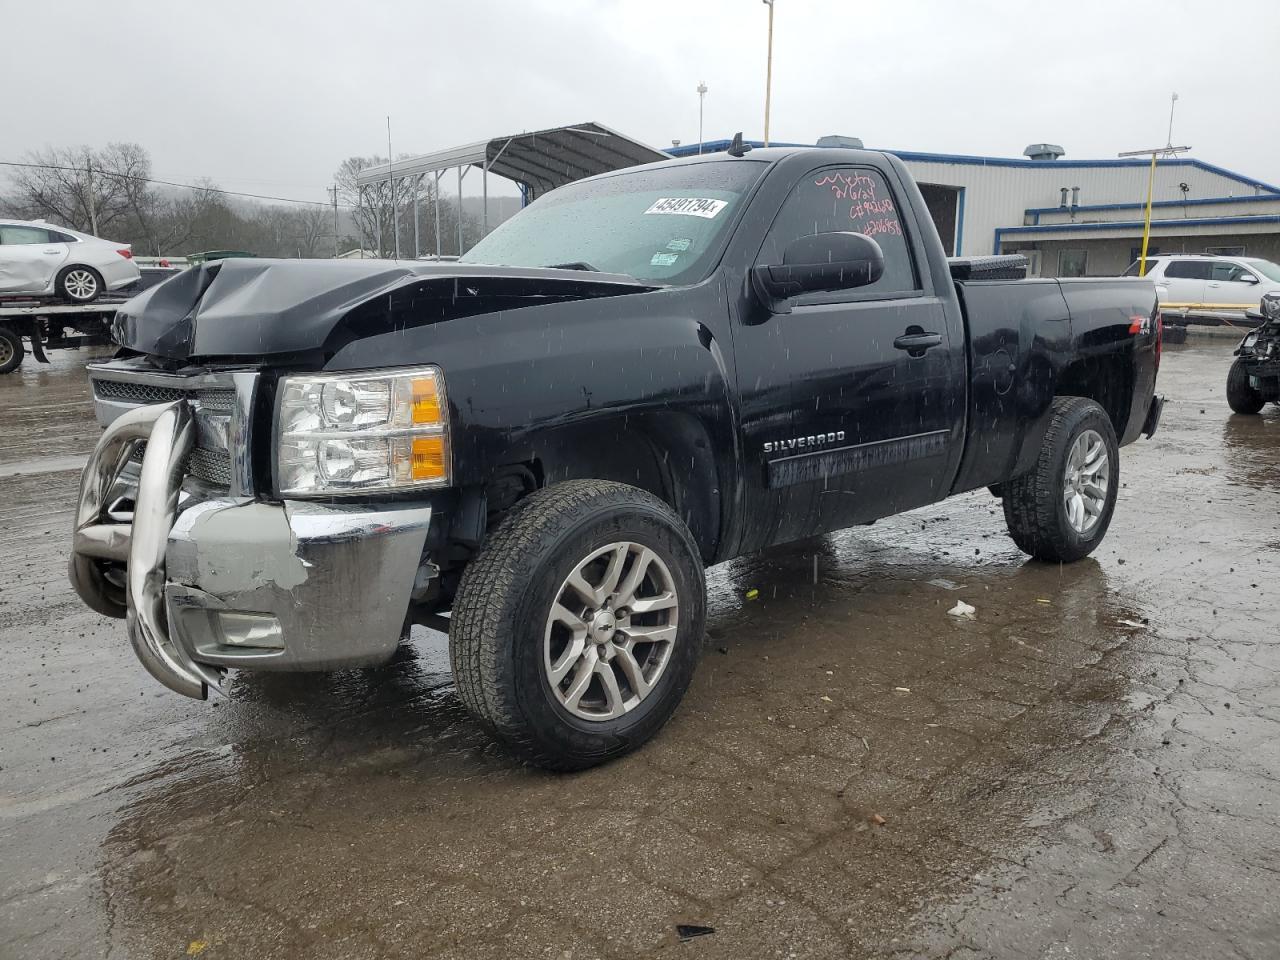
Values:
[(40, 260)]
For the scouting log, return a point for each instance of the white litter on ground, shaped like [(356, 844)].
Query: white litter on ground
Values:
[(962, 609)]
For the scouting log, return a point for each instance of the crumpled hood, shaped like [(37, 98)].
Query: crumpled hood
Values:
[(250, 308)]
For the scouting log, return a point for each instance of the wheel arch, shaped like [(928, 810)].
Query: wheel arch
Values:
[(1107, 380), (665, 453)]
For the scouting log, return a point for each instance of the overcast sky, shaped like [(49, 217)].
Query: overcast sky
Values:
[(268, 96)]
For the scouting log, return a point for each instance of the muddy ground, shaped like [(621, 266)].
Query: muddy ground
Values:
[(1090, 769)]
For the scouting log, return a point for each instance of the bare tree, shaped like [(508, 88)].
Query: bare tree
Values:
[(314, 230), (63, 185)]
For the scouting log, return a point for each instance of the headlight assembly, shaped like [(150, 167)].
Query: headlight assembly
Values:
[(354, 433), (1271, 307)]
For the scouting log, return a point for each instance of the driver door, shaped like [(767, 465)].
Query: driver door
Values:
[(846, 419), (1232, 283)]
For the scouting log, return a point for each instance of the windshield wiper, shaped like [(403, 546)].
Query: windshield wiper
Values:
[(575, 265)]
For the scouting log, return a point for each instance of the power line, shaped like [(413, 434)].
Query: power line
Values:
[(169, 183)]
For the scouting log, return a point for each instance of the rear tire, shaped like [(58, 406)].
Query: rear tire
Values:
[(78, 284), (11, 352), (524, 638), (1060, 510), (1241, 397)]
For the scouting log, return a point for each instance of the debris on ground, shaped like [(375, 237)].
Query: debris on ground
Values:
[(878, 820), (964, 610), (687, 931), (826, 700), (752, 593), (944, 583), (902, 689)]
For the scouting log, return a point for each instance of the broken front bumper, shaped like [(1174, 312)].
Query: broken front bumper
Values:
[(231, 581)]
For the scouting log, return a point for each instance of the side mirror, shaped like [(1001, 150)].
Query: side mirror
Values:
[(821, 262), (1248, 278)]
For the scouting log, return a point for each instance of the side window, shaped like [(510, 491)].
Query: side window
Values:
[(56, 237), (15, 236), (855, 199), (1229, 272), (1188, 269)]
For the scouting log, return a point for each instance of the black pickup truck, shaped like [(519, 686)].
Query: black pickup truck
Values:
[(540, 448)]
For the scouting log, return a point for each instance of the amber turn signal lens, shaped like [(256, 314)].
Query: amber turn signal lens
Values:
[(426, 401), (428, 458)]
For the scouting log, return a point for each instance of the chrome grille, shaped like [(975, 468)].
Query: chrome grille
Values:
[(210, 466), (138, 393), (215, 408), (217, 401)]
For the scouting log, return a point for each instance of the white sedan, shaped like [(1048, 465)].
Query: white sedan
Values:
[(39, 260)]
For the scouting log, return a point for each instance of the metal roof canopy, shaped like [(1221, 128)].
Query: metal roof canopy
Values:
[(541, 160), (538, 161)]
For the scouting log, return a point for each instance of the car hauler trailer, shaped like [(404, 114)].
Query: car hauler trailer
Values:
[(52, 326)]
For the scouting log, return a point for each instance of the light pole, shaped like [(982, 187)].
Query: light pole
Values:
[(768, 73), (702, 95), (1170, 151)]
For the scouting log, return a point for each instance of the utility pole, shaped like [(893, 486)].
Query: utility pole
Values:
[(1173, 102), (1169, 151), (93, 204), (335, 219), (702, 95), (395, 213), (768, 74)]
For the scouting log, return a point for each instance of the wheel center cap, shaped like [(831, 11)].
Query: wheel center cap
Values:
[(603, 626)]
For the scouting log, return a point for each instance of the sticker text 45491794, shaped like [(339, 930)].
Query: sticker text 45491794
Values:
[(688, 206)]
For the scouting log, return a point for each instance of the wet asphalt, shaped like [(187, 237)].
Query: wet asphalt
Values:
[(1090, 769)]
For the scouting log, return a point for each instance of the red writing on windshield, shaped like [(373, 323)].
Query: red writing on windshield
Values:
[(871, 214)]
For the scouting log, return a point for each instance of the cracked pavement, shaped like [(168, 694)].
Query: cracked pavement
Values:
[(1091, 768)]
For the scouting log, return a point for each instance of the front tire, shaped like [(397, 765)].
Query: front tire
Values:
[(1060, 510), (11, 352), (577, 627), (78, 284), (1241, 397)]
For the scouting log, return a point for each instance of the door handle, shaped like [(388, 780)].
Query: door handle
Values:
[(52, 253), (915, 341)]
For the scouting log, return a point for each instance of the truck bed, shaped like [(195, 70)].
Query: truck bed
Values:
[(1027, 338)]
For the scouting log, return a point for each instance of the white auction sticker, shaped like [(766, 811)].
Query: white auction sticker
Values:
[(688, 206)]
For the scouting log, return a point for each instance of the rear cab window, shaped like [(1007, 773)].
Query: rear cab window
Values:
[(852, 199)]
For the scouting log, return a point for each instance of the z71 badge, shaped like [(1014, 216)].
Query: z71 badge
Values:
[(803, 443)]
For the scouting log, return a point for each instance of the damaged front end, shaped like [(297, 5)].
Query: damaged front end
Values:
[(171, 536), (1259, 351)]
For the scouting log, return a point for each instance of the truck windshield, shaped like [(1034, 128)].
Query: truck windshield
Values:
[(665, 224)]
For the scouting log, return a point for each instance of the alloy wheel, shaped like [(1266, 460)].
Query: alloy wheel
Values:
[(1088, 477), (610, 632)]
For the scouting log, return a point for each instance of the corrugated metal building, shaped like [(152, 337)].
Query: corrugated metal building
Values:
[(1084, 217)]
